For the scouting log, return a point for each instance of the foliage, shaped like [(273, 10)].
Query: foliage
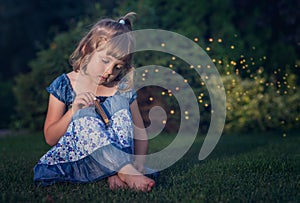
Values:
[(27, 26), (7, 100), (30, 90), (253, 60), (251, 105), (241, 168)]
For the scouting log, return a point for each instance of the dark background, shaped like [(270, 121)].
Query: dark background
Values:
[(266, 31)]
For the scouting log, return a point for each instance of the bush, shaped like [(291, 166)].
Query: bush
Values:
[(254, 104), (29, 90)]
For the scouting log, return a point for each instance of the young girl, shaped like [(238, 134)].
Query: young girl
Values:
[(92, 114)]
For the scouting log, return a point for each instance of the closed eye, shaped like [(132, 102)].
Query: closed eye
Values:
[(105, 61)]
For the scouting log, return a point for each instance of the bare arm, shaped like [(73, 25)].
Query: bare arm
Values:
[(57, 120), (140, 136)]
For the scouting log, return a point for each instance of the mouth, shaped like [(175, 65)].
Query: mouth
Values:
[(102, 78)]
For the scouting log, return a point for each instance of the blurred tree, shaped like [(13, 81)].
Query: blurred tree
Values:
[(238, 36), (271, 29), (30, 87), (25, 28), (250, 39)]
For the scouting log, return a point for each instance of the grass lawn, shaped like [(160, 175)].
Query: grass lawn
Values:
[(261, 167)]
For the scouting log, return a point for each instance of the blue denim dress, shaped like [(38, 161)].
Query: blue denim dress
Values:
[(89, 150)]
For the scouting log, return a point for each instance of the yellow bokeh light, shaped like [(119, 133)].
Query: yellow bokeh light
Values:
[(172, 112)]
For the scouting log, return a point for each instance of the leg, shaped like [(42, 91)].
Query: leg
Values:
[(134, 179)]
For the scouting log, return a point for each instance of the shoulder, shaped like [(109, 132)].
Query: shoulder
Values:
[(72, 77), (130, 94), (59, 82), (61, 88)]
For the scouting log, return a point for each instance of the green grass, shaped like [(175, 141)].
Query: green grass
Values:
[(242, 168)]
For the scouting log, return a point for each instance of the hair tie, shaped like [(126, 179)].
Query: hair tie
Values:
[(122, 22)]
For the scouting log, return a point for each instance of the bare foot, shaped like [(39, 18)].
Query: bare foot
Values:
[(115, 183), (135, 180)]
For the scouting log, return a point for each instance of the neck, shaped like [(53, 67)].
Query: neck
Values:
[(84, 84)]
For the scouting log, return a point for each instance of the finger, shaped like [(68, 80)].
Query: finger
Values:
[(88, 97), (82, 101), (91, 96)]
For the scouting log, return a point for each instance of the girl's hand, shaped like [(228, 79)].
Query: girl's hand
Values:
[(83, 100)]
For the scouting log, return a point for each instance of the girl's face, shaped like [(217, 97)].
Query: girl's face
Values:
[(102, 69)]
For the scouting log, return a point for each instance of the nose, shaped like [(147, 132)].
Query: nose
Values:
[(109, 69)]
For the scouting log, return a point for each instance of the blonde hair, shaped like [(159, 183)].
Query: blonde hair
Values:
[(104, 35)]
